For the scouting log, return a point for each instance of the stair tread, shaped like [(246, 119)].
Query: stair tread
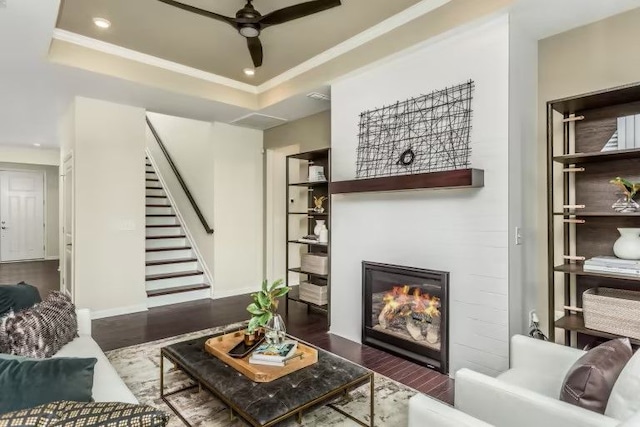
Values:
[(164, 226), (155, 197), (173, 275), (176, 236), (170, 261), (168, 248), (152, 179), (153, 188), (177, 290), (158, 206), (161, 215)]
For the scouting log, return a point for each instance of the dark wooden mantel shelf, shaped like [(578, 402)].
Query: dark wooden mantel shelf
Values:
[(461, 178)]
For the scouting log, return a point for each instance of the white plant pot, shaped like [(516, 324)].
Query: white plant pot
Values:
[(628, 244), (320, 225)]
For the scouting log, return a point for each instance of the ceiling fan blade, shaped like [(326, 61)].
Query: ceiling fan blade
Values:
[(255, 48), (202, 12), (297, 11)]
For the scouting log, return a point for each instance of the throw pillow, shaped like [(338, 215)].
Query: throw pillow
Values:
[(18, 297), (40, 331), (75, 414), (623, 402), (40, 416), (28, 383), (590, 380)]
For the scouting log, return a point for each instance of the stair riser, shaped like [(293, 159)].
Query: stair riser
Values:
[(162, 220), (151, 175), (165, 255), (162, 300), (159, 211), (171, 268), (157, 201), (149, 169), (154, 285), (155, 192), (172, 231), (166, 243)]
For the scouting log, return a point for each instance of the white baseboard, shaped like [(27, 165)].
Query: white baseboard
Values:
[(234, 292), (178, 298), (52, 258), (111, 312)]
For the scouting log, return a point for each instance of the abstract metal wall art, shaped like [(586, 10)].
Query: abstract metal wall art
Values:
[(429, 133)]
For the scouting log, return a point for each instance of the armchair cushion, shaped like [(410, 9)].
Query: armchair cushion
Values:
[(589, 382), (624, 401)]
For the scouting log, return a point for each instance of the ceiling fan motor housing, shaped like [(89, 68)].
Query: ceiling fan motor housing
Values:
[(248, 13)]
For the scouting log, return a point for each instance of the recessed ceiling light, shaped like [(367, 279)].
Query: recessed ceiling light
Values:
[(102, 23), (249, 72), (36, 145)]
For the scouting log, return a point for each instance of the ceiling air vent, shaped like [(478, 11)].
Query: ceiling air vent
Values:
[(318, 96), (3, 4), (258, 121)]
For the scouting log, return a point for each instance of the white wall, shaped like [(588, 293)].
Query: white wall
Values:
[(223, 168), (109, 206), (51, 203), (464, 232)]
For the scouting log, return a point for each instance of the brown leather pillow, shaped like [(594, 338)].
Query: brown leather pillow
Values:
[(590, 380)]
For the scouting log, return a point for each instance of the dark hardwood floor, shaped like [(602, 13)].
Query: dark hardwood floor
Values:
[(168, 321), (43, 275)]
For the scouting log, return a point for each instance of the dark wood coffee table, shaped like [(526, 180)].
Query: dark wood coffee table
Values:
[(266, 404)]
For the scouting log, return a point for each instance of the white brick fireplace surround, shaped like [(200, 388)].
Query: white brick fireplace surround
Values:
[(464, 232)]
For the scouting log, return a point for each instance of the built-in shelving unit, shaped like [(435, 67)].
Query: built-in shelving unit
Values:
[(578, 175), (298, 164)]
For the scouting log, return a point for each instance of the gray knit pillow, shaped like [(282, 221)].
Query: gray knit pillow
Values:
[(42, 330)]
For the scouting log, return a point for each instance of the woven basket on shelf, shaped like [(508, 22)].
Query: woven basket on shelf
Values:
[(616, 311)]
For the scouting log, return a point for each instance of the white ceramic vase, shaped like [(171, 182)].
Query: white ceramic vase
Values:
[(320, 225), (628, 244)]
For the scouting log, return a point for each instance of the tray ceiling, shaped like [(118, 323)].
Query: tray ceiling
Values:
[(153, 28)]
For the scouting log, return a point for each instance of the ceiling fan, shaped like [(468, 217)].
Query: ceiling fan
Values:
[(249, 22)]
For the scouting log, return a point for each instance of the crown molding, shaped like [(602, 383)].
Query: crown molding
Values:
[(112, 49), (378, 30)]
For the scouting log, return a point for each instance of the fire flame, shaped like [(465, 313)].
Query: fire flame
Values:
[(417, 302)]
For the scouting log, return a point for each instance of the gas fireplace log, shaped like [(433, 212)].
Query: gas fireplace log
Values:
[(414, 329)]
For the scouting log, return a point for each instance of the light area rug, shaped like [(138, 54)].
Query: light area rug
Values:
[(139, 367)]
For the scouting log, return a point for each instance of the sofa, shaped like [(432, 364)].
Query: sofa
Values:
[(107, 385), (525, 396)]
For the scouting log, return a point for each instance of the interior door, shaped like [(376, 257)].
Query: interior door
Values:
[(21, 215), (67, 228)]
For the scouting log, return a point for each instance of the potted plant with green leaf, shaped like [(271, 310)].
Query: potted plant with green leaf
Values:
[(264, 311), (628, 192)]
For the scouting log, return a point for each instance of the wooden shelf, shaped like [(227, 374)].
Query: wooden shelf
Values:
[(311, 156), (322, 245), (294, 295), (462, 178), (603, 98), (578, 270), (297, 270), (575, 322), (310, 213), (569, 159), (611, 214), (309, 184)]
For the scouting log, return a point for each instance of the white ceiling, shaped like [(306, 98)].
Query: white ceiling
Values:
[(33, 92)]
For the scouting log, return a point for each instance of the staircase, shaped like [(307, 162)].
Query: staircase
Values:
[(173, 272)]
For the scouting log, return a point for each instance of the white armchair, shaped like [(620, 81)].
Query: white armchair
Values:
[(525, 396)]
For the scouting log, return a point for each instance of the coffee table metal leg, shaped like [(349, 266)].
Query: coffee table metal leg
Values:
[(371, 398)]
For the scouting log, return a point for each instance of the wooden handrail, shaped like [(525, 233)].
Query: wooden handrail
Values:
[(175, 170)]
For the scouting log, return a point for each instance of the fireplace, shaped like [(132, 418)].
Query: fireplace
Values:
[(405, 312)]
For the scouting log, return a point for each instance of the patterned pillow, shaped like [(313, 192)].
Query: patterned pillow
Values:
[(40, 331), (77, 414), (40, 416), (109, 414)]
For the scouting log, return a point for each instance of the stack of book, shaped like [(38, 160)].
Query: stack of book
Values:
[(610, 264), (274, 355)]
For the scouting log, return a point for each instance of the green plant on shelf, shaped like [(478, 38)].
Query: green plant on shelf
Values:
[(265, 303)]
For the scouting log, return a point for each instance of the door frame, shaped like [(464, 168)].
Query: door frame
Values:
[(45, 225), (68, 162)]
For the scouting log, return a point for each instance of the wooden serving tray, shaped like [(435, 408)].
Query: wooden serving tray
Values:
[(219, 346)]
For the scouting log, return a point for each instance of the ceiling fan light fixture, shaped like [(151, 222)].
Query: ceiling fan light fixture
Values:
[(249, 31), (250, 72), (102, 23)]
